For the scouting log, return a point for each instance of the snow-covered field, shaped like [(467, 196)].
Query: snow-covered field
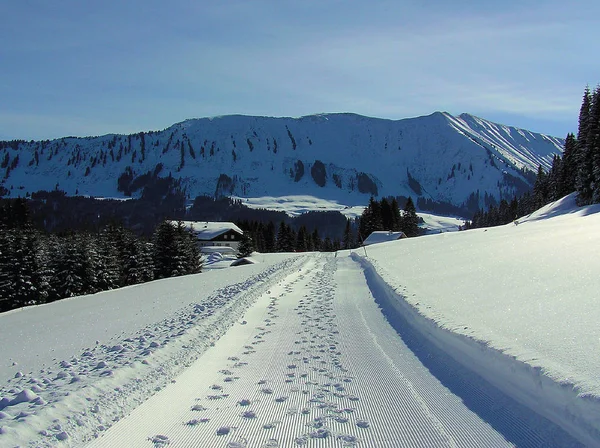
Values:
[(296, 205), (481, 338)]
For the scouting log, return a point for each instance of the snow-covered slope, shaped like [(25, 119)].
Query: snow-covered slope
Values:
[(345, 157), (505, 319)]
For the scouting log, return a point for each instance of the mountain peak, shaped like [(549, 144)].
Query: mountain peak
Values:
[(462, 161)]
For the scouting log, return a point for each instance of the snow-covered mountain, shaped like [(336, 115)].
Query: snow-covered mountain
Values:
[(345, 157)]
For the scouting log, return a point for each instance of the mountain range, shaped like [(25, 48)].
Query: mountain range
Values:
[(463, 161)]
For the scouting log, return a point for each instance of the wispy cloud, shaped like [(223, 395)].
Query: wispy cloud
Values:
[(139, 64)]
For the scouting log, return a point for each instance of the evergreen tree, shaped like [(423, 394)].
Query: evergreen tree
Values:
[(6, 275), (165, 250), (370, 219), (583, 158), (594, 146), (396, 216), (301, 240), (387, 216), (105, 252), (327, 245), (316, 241), (246, 246), (285, 238), (410, 219), (45, 271), (540, 189), (74, 273), (569, 171), (269, 238), (25, 268), (348, 240)]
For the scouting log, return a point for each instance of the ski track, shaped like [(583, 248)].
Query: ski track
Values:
[(84, 395), (313, 363), (300, 355)]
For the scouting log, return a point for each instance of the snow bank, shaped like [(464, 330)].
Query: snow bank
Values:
[(518, 304)]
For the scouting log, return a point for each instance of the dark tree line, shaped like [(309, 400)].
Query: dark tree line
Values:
[(386, 215), (38, 267), (267, 237), (578, 170)]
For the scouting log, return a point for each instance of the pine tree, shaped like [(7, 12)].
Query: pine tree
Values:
[(105, 251), (285, 238), (387, 217), (316, 241), (410, 219), (192, 253), (396, 216), (45, 271), (246, 246), (370, 219), (301, 240), (348, 240), (583, 158), (73, 268), (6, 276), (165, 250), (569, 171), (594, 146), (269, 238), (540, 188), (25, 268)]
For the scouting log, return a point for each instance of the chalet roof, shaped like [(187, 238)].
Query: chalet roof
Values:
[(206, 230), (383, 237)]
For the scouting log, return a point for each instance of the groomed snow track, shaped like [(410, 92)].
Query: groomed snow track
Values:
[(314, 362), (518, 400)]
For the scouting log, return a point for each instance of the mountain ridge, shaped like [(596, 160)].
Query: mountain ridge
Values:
[(457, 160)]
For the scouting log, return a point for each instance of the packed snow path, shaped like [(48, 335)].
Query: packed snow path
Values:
[(315, 363)]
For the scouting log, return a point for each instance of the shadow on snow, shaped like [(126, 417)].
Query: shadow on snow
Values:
[(517, 423)]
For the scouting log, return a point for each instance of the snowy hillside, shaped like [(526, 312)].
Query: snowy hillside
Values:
[(342, 157), (482, 338)]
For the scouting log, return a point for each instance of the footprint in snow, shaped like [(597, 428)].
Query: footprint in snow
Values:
[(197, 421), (159, 440), (224, 430), (362, 424)]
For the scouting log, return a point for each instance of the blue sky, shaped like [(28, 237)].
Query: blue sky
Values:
[(89, 68)]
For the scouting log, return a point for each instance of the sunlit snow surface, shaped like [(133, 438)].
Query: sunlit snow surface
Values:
[(296, 205), (516, 304)]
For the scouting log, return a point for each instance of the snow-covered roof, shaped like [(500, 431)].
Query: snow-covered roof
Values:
[(206, 230), (383, 237)]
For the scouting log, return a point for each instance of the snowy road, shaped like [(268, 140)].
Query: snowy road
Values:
[(314, 362)]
